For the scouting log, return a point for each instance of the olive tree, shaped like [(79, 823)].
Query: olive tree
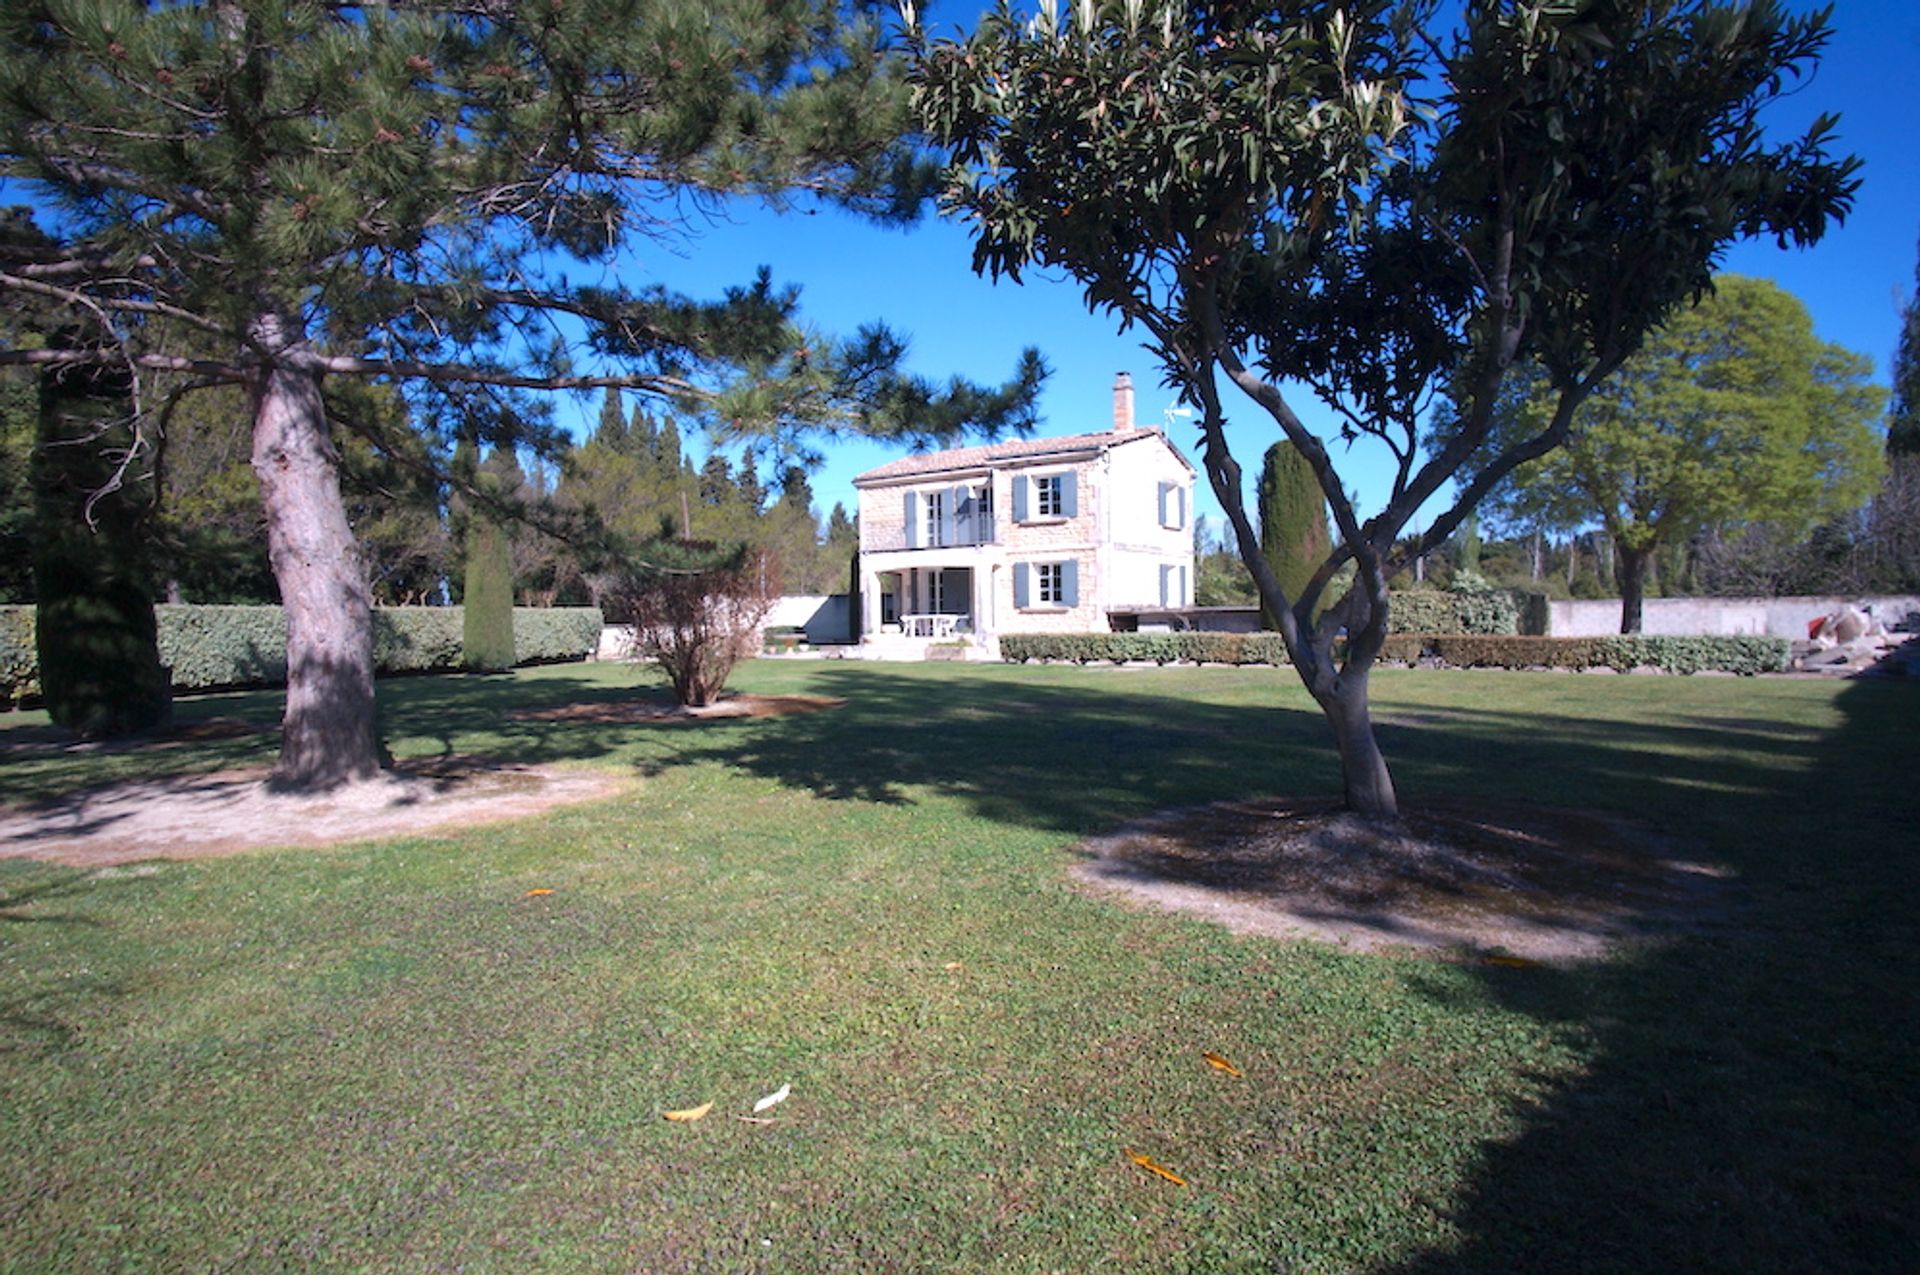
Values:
[(1362, 202)]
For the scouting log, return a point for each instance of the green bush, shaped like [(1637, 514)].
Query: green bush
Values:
[(555, 635), (1422, 611), (19, 663), (206, 647), (1160, 648), (216, 647), (1430, 611), (1745, 655)]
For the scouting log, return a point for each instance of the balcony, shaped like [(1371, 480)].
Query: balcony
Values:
[(960, 532)]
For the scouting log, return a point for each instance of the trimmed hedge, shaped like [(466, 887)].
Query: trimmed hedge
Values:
[(1744, 655), (1504, 611), (555, 635), (216, 647), (1160, 648)]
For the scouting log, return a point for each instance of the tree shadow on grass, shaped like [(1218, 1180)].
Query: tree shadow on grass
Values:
[(33, 1002), (1066, 758), (1751, 1100)]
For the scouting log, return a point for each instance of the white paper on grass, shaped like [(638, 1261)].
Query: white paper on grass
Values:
[(777, 1096)]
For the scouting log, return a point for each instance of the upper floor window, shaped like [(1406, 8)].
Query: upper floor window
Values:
[(936, 516), (1173, 506), (1045, 496)]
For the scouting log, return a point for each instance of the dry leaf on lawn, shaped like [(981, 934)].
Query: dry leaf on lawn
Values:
[(778, 1096), (686, 1114), (1218, 1063), (1157, 1169)]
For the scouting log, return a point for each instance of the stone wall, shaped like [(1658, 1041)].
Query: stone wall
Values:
[(1688, 617)]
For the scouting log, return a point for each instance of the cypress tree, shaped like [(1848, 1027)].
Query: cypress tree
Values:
[(486, 628), (1293, 523), (1903, 419), (612, 428), (100, 668), (1467, 553)]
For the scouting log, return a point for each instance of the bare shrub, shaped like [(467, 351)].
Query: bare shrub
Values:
[(696, 608)]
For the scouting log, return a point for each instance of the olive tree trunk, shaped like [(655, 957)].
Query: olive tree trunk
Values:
[(327, 735), (1366, 782)]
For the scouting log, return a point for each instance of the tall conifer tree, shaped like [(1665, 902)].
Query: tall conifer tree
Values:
[(393, 191)]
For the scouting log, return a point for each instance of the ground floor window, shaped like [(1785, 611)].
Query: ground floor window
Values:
[(1046, 584)]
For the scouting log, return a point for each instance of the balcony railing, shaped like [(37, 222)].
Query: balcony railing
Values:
[(960, 533)]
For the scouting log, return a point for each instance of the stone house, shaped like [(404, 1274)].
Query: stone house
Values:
[(1076, 534)]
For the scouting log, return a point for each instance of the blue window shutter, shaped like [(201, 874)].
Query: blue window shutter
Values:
[(1180, 507), (1166, 491), (1070, 583), (947, 512), (1022, 574), (1020, 485), (1166, 574), (1069, 500), (1185, 599), (913, 521)]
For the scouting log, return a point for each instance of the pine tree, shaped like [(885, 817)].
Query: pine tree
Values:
[(1293, 522), (392, 191)]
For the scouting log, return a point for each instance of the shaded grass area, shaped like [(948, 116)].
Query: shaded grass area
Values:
[(392, 1057)]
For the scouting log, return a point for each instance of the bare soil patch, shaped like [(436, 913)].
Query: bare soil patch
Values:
[(203, 816), (729, 707), (1507, 884)]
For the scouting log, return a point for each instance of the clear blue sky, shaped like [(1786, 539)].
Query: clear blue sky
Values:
[(920, 282)]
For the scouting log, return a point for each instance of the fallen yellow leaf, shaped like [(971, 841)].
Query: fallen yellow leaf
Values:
[(531, 893), (689, 1114), (1511, 962), (1157, 1169), (1218, 1063)]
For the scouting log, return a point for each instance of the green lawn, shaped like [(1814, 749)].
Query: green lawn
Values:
[(391, 1057)]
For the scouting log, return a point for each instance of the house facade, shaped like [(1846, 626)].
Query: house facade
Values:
[(1044, 535)]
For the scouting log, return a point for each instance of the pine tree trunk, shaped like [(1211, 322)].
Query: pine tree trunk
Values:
[(327, 735), (1630, 573)]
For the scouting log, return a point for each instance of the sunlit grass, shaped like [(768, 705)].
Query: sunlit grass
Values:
[(393, 1057)]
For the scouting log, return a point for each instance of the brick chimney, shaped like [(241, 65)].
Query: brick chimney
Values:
[(1123, 404)]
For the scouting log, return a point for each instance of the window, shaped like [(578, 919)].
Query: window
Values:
[(1047, 497), (1046, 584), (936, 512), (1044, 497), (1173, 506)]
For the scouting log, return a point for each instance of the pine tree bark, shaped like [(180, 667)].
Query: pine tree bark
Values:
[(327, 734)]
